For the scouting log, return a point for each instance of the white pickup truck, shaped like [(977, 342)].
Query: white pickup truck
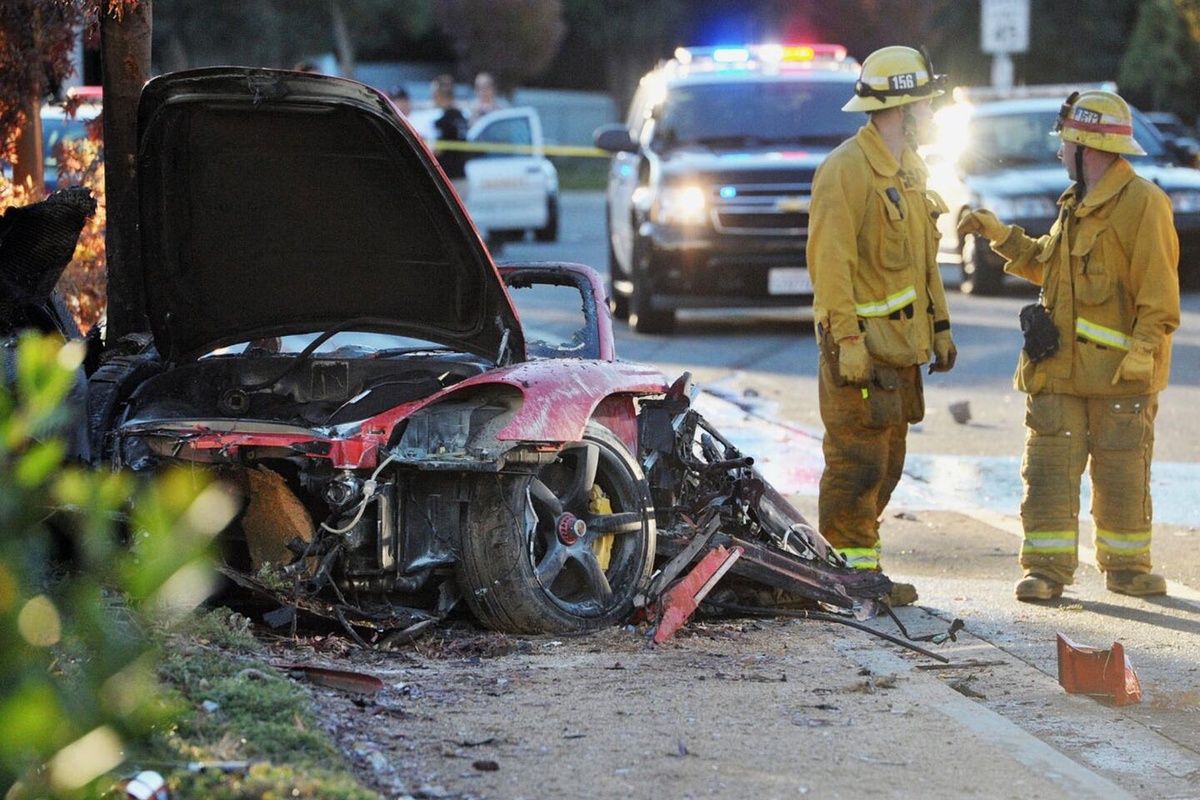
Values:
[(510, 189)]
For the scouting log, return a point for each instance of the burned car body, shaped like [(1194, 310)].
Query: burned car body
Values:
[(325, 330)]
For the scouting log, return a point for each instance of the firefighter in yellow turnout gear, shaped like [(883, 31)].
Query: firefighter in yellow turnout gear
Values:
[(1109, 276), (878, 299)]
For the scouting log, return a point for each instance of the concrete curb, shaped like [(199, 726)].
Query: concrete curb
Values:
[(1000, 734)]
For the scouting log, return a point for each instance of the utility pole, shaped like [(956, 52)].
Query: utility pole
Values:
[(1004, 29)]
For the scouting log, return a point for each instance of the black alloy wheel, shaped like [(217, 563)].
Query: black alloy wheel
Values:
[(565, 550)]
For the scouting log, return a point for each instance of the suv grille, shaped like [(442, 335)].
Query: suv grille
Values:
[(774, 209)]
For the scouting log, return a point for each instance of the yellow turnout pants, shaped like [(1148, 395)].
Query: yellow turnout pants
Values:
[(1115, 436), (864, 446)]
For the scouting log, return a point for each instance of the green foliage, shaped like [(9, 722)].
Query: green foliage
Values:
[(275, 33), (267, 781), (1162, 61), (581, 174), (78, 691), (100, 672)]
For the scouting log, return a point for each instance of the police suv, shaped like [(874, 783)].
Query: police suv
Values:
[(710, 185)]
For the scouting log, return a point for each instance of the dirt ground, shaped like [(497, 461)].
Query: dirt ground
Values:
[(726, 708)]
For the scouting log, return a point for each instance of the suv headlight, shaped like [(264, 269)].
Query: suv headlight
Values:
[(681, 205), (1021, 206), (1185, 201)]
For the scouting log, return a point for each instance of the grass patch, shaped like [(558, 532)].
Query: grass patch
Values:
[(239, 709), (581, 174)]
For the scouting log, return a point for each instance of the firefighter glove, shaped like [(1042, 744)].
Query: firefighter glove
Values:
[(1137, 365), (984, 223), (854, 364), (944, 353)]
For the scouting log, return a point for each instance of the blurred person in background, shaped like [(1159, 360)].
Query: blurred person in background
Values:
[(451, 126), (486, 100), (400, 98)]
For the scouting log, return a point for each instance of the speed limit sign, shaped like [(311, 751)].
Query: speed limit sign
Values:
[(1004, 26)]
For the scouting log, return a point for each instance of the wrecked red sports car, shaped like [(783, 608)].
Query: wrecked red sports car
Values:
[(325, 329)]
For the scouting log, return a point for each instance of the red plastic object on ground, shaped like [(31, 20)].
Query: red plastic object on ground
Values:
[(1089, 670), (681, 600)]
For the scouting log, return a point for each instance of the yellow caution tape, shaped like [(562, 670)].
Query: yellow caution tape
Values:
[(522, 149)]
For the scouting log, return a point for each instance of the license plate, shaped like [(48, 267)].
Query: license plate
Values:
[(789, 280)]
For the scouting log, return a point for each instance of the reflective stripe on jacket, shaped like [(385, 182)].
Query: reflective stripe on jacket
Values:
[(1110, 278), (872, 250)]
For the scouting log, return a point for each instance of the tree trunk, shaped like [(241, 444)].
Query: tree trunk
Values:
[(125, 50), (29, 169)]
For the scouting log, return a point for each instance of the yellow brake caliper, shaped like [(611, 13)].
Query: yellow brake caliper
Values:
[(598, 503)]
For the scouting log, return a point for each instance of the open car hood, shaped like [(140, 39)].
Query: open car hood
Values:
[(277, 202)]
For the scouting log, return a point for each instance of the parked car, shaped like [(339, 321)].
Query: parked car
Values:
[(1001, 155), (1178, 135), (512, 188), (709, 188)]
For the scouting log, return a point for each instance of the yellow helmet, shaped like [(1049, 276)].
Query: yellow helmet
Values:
[(1100, 120), (894, 76)]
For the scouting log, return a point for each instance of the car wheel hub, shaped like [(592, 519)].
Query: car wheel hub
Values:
[(570, 529)]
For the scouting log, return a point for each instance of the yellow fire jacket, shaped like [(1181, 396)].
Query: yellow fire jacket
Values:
[(1109, 272), (872, 250)]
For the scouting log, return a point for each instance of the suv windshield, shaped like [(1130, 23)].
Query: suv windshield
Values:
[(740, 114), (1003, 141)]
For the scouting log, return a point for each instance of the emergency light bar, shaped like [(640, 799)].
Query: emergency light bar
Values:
[(769, 56)]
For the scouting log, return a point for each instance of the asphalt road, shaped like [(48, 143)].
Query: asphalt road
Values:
[(952, 527)]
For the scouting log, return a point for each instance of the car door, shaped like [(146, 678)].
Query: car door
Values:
[(508, 186)]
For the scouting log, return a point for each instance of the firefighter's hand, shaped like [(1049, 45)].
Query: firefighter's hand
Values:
[(1137, 365), (984, 223), (854, 364), (944, 353)]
